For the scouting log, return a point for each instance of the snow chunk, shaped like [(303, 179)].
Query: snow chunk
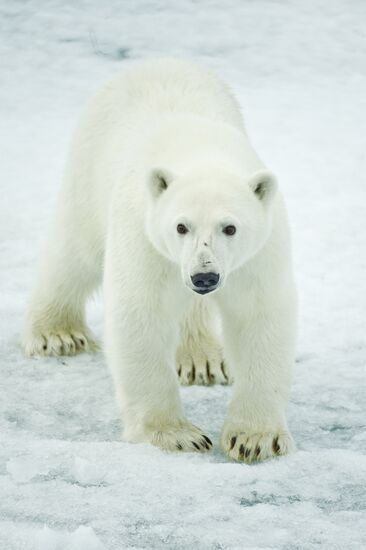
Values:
[(24, 469), (87, 473), (84, 538)]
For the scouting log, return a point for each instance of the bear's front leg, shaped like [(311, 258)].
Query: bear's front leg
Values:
[(259, 340), (142, 322)]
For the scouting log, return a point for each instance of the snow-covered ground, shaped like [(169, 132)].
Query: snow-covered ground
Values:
[(67, 482)]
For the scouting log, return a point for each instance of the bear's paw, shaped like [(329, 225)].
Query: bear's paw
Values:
[(255, 447), (59, 342), (183, 438), (202, 363)]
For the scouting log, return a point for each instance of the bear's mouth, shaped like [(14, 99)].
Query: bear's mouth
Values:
[(204, 290)]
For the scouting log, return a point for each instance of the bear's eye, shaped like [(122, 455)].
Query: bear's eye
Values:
[(229, 230), (182, 229)]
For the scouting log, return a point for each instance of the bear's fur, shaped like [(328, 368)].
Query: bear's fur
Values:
[(165, 201)]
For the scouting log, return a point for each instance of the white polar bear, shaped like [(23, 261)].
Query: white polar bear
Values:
[(165, 199)]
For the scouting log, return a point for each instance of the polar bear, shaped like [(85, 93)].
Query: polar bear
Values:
[(166, 202)]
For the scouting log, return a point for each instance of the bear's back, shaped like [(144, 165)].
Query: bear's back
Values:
[(169, 86)]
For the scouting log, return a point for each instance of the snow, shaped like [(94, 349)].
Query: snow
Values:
[(66, 480)]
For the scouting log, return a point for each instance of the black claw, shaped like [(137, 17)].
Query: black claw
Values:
[(275, 446), (205, 444), (241, 451), (247, 453), (223, 371), (179, 446), (232, 442), (193, 372), (82, 341), (45, 347), (207, 439), (257, 451), (195, 445)]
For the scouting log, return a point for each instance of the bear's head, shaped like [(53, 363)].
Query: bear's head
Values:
[(209, 224)]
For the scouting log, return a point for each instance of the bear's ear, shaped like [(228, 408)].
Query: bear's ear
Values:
[(264, 185), (158, 181)]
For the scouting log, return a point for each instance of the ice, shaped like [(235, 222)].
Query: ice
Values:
[(66, 479)]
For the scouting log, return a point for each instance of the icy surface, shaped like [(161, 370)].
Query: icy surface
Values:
[(66, 480)]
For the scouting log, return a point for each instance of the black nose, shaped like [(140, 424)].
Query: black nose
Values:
[(205, 282)]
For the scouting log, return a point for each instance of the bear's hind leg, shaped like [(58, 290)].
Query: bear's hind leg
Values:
[(199, 358), (55, 323)]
